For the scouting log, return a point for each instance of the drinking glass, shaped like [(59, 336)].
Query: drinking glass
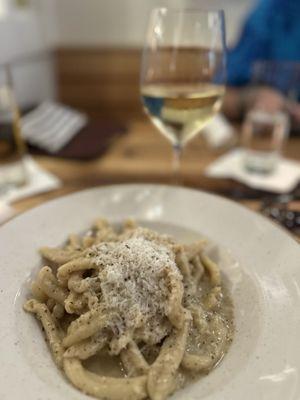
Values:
[(183, 73), (12, 147), (263, 136), (284, 77)]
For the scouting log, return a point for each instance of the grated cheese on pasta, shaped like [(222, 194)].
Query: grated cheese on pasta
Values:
[(133, 285)]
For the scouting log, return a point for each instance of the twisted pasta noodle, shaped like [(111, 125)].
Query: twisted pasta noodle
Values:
[(81, 292), (59, 256), (77, 283), (105, 387), (105, 232), (101, 224), (197, 363), (175, 311), (38, 292), (86, 348), (212, 269), (129, 224), (74, 242), (49, 284), (88, 241), (43, 314), (199, 319), (182, 262), (75, 303), (84, 327), (162, 373), (194, 249), (84, 319), (79, 264), (116, 345), (198, 269), (133, 360)]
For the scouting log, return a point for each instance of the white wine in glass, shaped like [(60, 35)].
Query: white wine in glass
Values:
[(180, 111), (183, 73)]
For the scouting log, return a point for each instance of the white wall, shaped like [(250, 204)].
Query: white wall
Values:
[(123, 22)]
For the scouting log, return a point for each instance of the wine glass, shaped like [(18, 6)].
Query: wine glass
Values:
[(183, 73), (12, 146)]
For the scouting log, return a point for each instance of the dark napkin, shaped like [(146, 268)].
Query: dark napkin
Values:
[(92, 141)]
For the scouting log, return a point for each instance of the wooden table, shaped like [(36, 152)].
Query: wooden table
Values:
[(143, 155)]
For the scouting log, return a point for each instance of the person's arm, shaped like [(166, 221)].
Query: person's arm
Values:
[(253, 44), (238, 101), (232, 105)]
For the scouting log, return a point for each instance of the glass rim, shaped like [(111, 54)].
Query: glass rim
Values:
[(264, 116), (197, 10)]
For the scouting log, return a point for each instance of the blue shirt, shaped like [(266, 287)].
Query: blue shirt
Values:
[(271, 32)]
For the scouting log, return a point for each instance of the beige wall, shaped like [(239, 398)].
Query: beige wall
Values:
[(48, 23), (123, 22)]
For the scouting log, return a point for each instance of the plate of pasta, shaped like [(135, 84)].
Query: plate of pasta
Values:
[(134, 292)]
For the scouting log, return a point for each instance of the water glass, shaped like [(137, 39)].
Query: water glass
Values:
[(263, 138)]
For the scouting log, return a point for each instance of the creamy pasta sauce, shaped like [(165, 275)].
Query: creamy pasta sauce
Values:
[(104, 364)]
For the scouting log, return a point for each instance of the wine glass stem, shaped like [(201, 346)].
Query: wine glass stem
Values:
[(177, 153)]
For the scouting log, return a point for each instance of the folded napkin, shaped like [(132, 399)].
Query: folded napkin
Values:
[(38, 181), (219, 132), (284, 178), (51, 126)]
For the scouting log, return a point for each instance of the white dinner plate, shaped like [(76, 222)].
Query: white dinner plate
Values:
[(260, 261)]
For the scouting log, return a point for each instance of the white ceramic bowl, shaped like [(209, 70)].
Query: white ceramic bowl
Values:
[(260, 261)]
